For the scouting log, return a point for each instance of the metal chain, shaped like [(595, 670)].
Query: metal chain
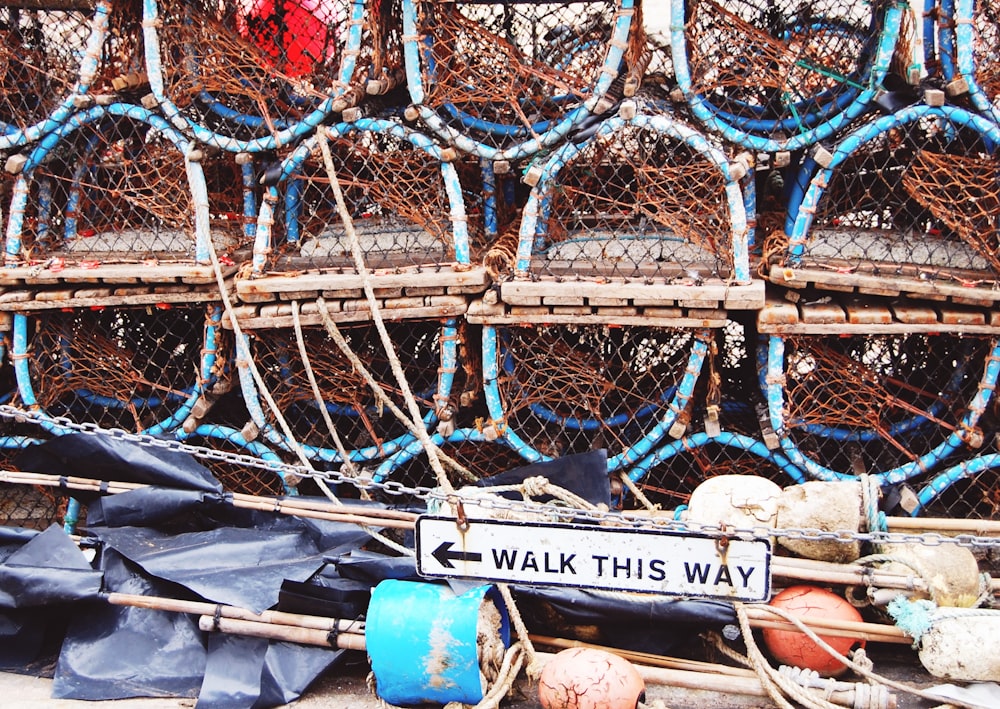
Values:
[(597, 516)]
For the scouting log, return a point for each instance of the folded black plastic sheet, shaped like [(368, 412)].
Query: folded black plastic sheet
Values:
[(148, 506), (584, 474), (104, 457), (41, 575), (640, 622), (48, 568), (117, 652)]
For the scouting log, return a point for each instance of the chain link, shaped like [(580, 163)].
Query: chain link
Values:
[(597, 516)]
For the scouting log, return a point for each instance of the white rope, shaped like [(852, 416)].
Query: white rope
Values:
[(394, 363)]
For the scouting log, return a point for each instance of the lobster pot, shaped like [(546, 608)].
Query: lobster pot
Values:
[(562, 389), (342, 405), (140, 369), (977, 53), (54, 58), (776, 76), (405, 204), (505, 79), (892, 405), (232, 184), (113, 192), (242, 466), (256, 75), (908, 203), (644, 198)]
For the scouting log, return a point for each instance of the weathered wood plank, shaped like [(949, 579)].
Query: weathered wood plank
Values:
[(338, 282), (822, 313), (778, 312), (864, 311)]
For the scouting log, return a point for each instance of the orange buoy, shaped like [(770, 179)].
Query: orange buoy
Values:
[(797, 649), (588, 678)]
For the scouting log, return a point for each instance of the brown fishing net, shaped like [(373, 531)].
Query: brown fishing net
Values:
[(360, 421), (516, 64), (113, 189), (395, 195), (777, 60), (986, 50), (129, 368), (569, 389), (874, 402), (637, 202)]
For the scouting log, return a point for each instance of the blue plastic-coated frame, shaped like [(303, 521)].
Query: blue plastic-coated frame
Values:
[(415, 447), (964, 470), (13, 247), (532, 231), (292, 164), (235, 438), (89, 64), (20, 354), (811, 132), (966, 60), (252, 398), (286, 134), (775, 393), (729, 439), (637, 450), (524, 144), (804, 205)]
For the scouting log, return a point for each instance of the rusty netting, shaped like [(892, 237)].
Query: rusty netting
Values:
[(963, 193), (113, 189), (363, 424), (986, 50), (871, 403), (234, 193), (233, 475), (778, 61), (570, 389), (639, 203), (248, 70), (44, 51), (119, 367), (909, 201), (510, 67), (395, 195)]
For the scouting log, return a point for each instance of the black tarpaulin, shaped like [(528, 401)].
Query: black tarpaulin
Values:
[(47, 569), (584, 474), (102, 457)]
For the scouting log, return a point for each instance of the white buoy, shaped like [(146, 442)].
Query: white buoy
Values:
[(950, 571), (828, 507), (963, 647)]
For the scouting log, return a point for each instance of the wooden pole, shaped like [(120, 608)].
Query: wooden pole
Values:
[(285, 633)]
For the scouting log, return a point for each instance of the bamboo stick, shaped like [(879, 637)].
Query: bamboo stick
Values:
[(285, 633), (161, 603), (760, 617)]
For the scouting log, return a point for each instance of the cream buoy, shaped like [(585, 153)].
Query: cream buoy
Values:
[(588, 678), (828, 507)]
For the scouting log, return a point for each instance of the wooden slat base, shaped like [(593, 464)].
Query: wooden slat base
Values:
[(483, 313), (411, 282), (548, 292), (279, 315), (841, 314), (105, 296), (111, 273), (969, 292)]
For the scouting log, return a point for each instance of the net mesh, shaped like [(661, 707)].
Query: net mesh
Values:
[(637, 203), (805, 60), (505, 69), (395, 195), (122, 367), (872, 403), (920, 199), (360, 421), (115, 189), (246, 70), (573, 389), (986, 50)]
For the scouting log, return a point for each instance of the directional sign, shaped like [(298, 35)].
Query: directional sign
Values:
[(588, 556)]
